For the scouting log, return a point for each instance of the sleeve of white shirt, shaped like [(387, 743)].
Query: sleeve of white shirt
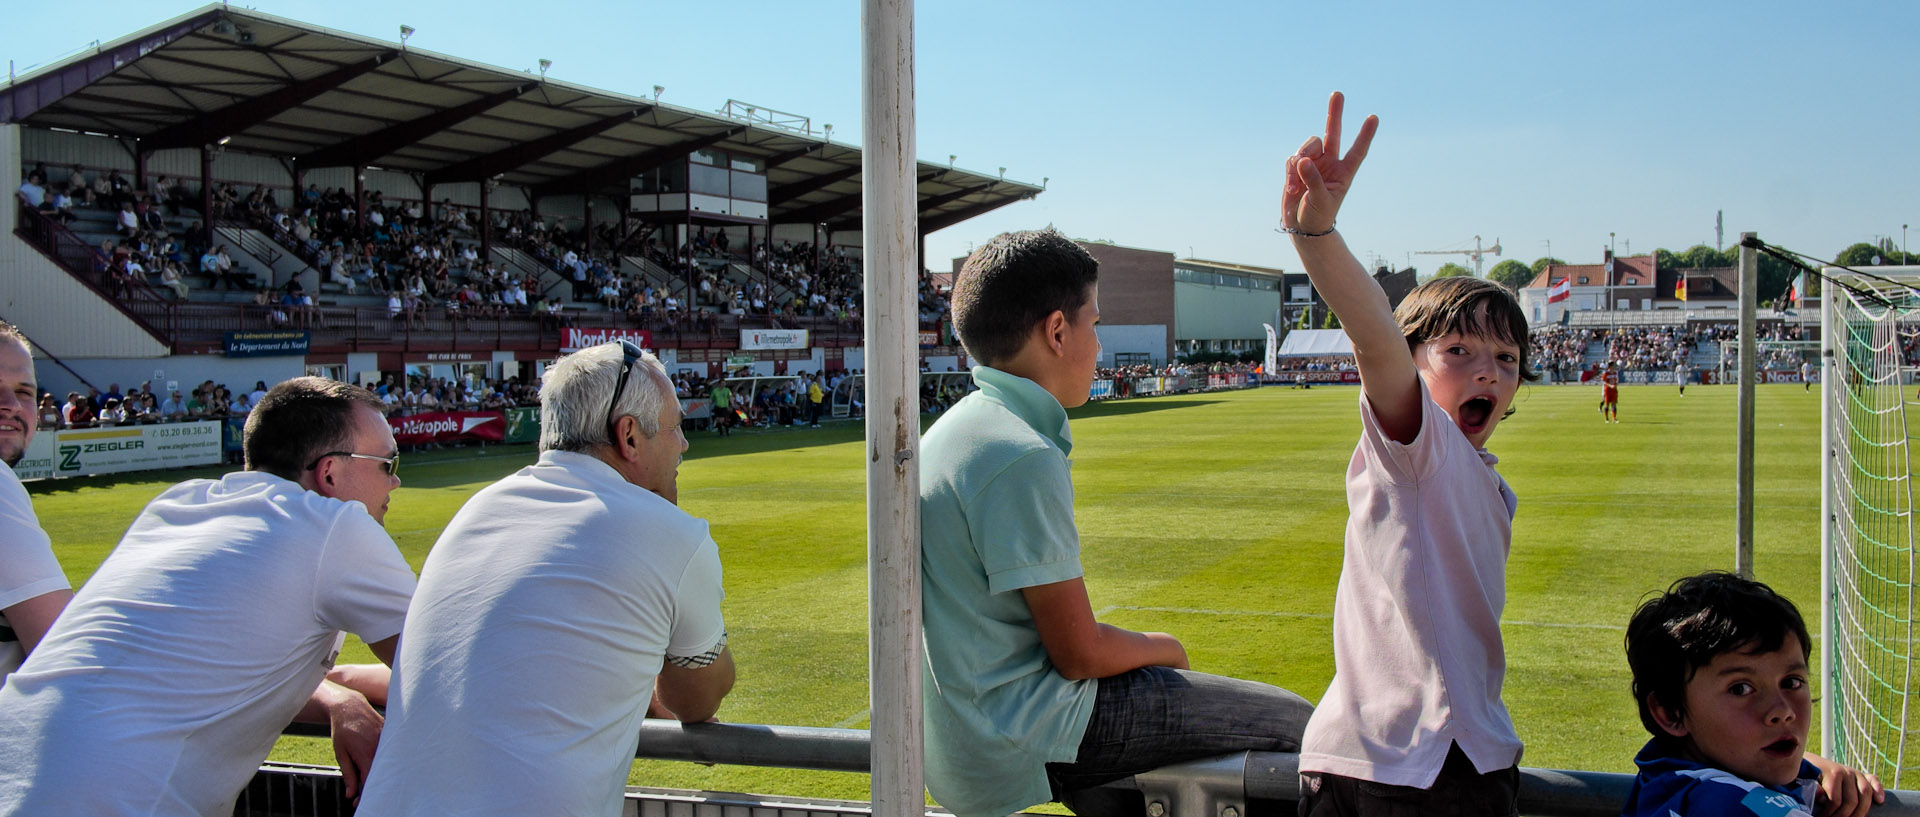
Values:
[(1415, 461), (364, 584), (697, 625), (27, 566)]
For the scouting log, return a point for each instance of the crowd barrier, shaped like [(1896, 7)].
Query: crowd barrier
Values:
[(1214, 787), (1664, 377), (1316, 377), (79, 452)]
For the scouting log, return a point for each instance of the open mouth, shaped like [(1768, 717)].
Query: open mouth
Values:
[(1475, 413), (1782, 747)]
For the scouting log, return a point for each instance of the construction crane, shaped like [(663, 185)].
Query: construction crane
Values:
[(1474, 253)]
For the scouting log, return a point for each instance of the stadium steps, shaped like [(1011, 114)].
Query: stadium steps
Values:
[(518, 263), (58, 307), (1595, 354)]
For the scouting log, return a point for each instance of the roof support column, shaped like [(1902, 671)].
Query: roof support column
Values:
[(139, 170), (586, 216), (206, 190), (360, 200), (486, 221)]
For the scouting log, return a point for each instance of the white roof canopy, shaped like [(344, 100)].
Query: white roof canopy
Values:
[(1316, 343)]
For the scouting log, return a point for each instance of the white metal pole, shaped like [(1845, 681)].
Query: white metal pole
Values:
[(890, 231), (1829, 682), (1743, 500)]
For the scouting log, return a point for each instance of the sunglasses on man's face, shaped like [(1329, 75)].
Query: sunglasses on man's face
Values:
[(389, 464)]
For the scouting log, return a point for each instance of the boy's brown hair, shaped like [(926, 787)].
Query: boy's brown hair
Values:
[(1012, 284), (1445, 305)]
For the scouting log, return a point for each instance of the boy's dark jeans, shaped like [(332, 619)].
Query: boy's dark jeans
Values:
[(1156, 716)]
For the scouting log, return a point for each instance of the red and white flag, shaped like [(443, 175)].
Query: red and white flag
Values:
[(1560, 291)]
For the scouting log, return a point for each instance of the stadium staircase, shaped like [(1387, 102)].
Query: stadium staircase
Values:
[(56, 281)]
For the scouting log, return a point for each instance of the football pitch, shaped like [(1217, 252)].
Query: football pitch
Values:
[(1215, 517)]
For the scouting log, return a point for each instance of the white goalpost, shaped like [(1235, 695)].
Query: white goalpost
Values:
[(1870, 337)]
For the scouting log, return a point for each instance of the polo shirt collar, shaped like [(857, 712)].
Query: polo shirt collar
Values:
[(1028, 401)]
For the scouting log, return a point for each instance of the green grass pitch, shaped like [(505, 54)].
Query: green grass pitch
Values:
[(1216, 517)]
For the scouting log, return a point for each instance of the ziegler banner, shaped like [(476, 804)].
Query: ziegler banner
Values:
[(118, 449), (573, 339), (445, 426)]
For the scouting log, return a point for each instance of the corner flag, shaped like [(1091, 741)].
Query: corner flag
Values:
[(1560, 291)]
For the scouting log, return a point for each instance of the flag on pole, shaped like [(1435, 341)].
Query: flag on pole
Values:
[(1560, 291), (1273, 349), (1680, 287), (1793, 289)]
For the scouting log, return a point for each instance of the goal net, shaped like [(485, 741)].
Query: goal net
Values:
[(1868, 341)]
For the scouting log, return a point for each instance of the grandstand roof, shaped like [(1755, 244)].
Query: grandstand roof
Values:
[(262, 84)]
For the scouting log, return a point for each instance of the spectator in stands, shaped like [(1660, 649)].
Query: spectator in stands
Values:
[(1029, 698), (240, 405), (171, 278), (149, 408), (214, 621), (60, 207), (33, 589), (76, 186), (174, 409), (80, 412), (583, 559), (49, 411), (127, 222), (111, 414), (34, 191)]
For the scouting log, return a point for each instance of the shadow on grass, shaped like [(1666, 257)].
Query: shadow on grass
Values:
[(1120, 408)]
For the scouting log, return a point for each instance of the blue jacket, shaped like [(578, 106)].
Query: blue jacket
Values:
[(1670, 786)]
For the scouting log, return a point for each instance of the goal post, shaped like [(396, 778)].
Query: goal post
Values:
[(1870, 332)]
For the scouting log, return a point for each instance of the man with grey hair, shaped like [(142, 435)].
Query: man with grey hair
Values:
[(558, 603), (33, 589)]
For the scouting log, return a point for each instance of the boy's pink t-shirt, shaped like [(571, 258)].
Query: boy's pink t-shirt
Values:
[(1418, 660)]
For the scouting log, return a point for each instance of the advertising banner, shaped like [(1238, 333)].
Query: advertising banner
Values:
[(79, 452), (268, 343), (696, 408), (1321, 377), (37, 463), (1101, 389), (573, 339), (523, 425), (928, 338), (754, 339), (446, 426)]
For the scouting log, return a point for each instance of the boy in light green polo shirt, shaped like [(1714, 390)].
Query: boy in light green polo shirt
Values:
[(1029, 699)]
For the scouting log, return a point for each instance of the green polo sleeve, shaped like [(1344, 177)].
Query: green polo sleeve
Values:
[(1023, 523)]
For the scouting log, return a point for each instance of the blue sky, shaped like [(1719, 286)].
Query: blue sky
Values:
[(1164, 125)]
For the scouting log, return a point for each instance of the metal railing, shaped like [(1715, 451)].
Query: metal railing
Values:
[(1202, 788)]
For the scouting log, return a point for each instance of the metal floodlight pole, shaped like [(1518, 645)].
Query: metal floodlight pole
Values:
[(1743, 500), (890, 232)]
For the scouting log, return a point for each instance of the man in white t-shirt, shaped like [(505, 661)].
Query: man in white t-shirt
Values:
[(167, 679), (558, 603), (33, 589)]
